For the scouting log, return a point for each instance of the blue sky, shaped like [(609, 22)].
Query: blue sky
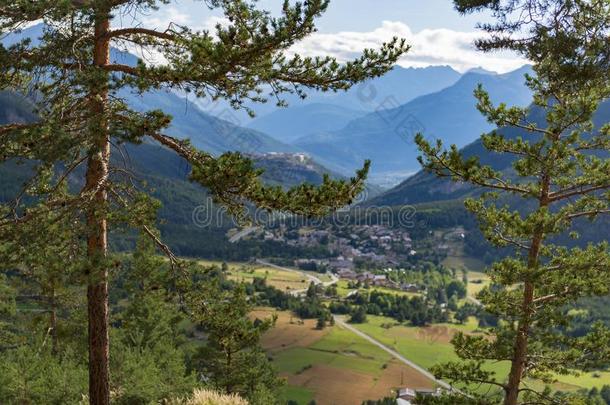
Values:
[(365, 15), (437, 33)]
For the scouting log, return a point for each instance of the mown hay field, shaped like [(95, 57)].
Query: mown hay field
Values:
[(430, 345), (333, 365)]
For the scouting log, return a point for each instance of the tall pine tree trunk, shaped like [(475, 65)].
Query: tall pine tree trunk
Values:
[(520, 348), (519, 358), (97, 244), (53, 322)]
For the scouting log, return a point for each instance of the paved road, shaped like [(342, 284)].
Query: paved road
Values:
[(341, 322), (393, 353), (311, 277)]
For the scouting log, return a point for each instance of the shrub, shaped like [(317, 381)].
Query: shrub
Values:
[(208, 397)]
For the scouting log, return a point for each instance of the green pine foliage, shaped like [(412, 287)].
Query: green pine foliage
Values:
[(77, 88), (149, 355), (32, 374), (232, 360), (562, 170)]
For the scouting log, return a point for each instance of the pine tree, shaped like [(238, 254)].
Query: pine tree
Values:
[(233, 360), (312, 291), (75, 87), (8, 309), (560, 174), (321, 322), (48, 273), (148, 352), (358, 315)]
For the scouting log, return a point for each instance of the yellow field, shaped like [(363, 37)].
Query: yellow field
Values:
[(343, 290), (476, 282), (246, 272)]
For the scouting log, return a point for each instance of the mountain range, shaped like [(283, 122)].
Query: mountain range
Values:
[(374, 120), (292, 123), (425, 188), (335, 133), (386, 136)]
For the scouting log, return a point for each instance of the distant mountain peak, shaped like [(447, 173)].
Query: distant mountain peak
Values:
[(428, 68), (482, 71), (385, 136)]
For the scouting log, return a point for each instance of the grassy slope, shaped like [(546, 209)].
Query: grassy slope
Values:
[(429, 346), (284, 280)]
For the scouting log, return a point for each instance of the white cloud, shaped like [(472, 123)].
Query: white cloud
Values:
[(428, 47), (161, 21), (174, 16), (437, 46)]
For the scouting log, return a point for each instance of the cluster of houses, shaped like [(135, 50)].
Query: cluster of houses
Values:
[(380, 236), (345, 269), (377, 280), (380, 280), (374, 243), (378, 245)]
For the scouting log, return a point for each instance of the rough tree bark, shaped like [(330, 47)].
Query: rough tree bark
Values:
[(97, 173), (53, 323)]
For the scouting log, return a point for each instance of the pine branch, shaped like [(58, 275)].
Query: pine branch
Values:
[(180, 147), (116, 67), (588, 213), (549, 297), (168, 34), (580, 190), (5, 129), (440, 166)]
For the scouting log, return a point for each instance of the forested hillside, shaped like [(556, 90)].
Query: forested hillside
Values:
[(312, 202), (189, 221)]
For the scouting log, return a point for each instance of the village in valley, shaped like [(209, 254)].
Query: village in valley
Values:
[(365, 296), (364, 254), (374, 279)]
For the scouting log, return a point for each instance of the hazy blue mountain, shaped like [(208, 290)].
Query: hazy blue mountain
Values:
[(207, 132), (33, 33), (324, 112), (427, 188), (482, 71), (395, 88), (386, 136), (290, 123)]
